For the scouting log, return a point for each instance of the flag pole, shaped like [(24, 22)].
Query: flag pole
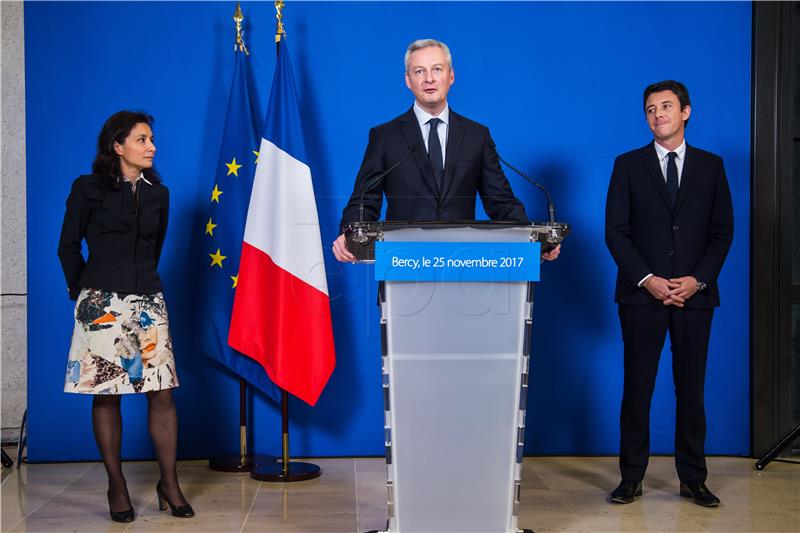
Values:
[(243, 462), (288, 471)]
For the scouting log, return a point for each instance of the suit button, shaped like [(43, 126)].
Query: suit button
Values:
[(675, 227), (670, 253)]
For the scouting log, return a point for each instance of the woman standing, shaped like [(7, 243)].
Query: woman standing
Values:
[(121, 342)]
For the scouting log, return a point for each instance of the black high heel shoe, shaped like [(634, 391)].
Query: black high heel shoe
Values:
[(120, 516), (180, 511)]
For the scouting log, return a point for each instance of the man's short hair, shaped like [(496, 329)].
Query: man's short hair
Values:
[(676, 87), (425, 43)]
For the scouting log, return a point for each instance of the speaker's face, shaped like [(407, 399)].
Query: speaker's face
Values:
[(429, 76)]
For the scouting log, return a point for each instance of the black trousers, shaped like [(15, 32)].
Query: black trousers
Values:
[(644, 329)]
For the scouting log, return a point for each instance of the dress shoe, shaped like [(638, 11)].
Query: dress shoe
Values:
[(626, 491), (180, 511), (120, 516), (699, 494)]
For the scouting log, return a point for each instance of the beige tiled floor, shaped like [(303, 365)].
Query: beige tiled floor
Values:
[(558, 494)]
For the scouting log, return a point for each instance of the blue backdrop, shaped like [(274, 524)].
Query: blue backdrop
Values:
[(560, 86)]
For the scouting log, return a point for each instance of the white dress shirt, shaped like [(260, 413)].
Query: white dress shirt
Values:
[(135, 183), (663, 158), (423, 117)]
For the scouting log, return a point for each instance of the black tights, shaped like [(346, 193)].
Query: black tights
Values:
[(163, 425)]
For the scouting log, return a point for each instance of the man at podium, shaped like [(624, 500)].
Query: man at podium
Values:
[(430, 161)]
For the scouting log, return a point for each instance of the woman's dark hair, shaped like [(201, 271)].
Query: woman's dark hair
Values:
[(676, 87), (116, 130)]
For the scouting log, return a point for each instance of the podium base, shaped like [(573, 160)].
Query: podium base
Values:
[(237, 463), (296, 472), (387, 530)]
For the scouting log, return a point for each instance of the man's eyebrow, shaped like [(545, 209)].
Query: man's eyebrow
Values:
[(414, 67)]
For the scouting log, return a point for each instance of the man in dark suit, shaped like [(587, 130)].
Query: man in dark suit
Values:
[(443, 159), (669, 225)]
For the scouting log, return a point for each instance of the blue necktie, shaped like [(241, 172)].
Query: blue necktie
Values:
[(672, 178), (435, 153)]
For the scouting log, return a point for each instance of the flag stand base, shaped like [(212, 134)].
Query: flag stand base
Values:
[(275, 473), (243, 461), (285, 471), (238, 463)]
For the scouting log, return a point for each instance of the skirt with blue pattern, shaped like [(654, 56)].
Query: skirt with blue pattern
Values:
[(120, 344)]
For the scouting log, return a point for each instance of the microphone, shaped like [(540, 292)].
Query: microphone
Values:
[(377, 179), (550, 207)]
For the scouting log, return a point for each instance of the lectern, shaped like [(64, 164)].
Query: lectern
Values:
[(456, 311)]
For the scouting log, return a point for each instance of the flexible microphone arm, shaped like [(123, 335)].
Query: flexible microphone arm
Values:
[(550, 207), (377, 179)]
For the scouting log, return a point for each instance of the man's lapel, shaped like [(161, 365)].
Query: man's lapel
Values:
[(455, 138), (687, 176), (650, 158), (409, 127)]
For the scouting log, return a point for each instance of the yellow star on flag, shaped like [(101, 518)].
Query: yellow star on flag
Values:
[(210, 227), (233, 168), (257, 154), (215, 194), (235, 281), (217, 258)]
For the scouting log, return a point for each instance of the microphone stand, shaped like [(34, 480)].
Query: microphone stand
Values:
[(359, 236), (550, 207)]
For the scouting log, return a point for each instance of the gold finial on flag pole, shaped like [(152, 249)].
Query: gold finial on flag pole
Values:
[(238, 18), (279, 26)]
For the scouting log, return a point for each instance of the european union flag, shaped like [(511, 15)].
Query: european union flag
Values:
[(228, 199)]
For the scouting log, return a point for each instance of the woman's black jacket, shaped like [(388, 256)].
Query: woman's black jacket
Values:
[(124, 234)]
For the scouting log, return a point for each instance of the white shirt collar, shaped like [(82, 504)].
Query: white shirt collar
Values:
[(140, 177), (423, 116), (662, 152)]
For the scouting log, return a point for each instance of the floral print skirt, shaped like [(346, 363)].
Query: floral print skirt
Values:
[(120, 344)]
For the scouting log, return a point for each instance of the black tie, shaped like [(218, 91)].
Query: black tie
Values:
[(672, 178), (435, 153)]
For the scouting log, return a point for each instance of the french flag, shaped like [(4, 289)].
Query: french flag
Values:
[(281, 311)]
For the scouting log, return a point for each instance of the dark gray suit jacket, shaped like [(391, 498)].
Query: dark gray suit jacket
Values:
[(645, 235), (471, 167)]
